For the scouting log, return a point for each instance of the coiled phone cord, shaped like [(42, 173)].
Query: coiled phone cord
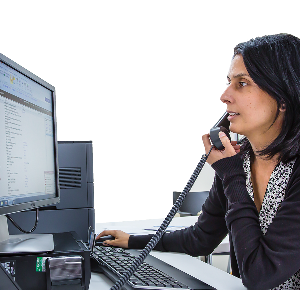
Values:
[(154, 240)]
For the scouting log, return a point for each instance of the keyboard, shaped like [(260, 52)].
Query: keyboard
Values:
[(152, 274)]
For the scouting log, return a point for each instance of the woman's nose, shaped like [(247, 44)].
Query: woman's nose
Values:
[(226, 96)]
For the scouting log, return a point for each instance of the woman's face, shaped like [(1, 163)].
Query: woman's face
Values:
[(252, 110)]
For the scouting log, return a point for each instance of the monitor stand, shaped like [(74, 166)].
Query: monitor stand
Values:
[(25, 243)]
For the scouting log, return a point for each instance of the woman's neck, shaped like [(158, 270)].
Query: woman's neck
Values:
[(264, 161)]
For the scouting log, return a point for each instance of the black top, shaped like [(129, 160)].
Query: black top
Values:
[(263, 261)]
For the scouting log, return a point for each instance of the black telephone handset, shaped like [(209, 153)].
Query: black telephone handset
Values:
[(221, 125)]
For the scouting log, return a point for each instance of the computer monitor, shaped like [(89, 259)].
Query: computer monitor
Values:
[(28, 159)]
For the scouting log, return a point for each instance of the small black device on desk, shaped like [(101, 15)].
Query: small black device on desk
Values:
[(99, 241), (65, 268)]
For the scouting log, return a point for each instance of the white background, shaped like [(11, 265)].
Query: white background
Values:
[(141, 79)]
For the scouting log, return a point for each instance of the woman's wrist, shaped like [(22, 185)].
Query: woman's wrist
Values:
[(229, 166)]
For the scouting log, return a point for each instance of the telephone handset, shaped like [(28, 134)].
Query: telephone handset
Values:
[(223, 126)]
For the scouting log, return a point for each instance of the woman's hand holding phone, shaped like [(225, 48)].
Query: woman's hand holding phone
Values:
[(230, 148)]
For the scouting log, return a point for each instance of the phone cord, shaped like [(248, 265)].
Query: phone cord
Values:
[(157, 236)]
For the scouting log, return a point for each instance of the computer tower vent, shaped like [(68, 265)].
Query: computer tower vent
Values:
[(69, 177)]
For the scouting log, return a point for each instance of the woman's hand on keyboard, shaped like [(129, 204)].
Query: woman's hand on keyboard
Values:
[(120, 238)]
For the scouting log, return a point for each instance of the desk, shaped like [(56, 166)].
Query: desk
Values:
[(193, 266)]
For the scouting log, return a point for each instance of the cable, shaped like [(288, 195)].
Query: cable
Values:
[(154, 240), (20, 229)]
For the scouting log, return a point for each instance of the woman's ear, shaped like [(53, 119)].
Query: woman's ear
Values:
[(282, 108)]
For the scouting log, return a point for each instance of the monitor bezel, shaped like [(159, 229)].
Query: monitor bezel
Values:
[(48, 201)]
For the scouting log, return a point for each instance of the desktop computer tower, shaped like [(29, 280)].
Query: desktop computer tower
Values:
[(75, 212), (76, 178)]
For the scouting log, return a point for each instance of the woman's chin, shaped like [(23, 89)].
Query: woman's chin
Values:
[(234, 129)]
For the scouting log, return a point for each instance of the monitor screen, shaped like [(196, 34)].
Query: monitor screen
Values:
[(28, 160)]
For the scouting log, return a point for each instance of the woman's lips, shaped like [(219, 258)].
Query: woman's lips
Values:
[(232, 116)]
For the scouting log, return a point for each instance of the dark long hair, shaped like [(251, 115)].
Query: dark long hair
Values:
[(273, 62)]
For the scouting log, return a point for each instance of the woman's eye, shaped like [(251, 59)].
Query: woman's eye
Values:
[(242, 84)]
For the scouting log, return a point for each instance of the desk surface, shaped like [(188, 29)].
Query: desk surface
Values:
[(193, 266), (100, 281)]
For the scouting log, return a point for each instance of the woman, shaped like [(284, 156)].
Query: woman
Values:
[(255, 197)]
